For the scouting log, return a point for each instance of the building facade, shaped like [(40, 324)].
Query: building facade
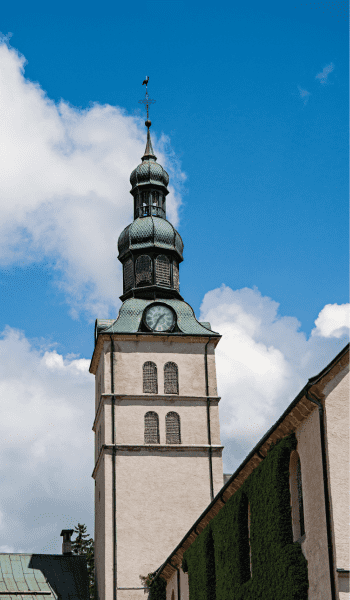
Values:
[(291, 540), (157, 440)]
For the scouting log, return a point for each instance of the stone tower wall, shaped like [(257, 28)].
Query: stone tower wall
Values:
[(161, 489)]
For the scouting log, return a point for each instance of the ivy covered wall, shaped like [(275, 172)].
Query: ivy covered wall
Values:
[(226, 562), (157, 589)]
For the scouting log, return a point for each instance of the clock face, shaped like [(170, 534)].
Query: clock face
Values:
[(159, 318)]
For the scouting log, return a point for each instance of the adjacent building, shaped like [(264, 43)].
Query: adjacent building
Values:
[(284, 512), (44, 576)]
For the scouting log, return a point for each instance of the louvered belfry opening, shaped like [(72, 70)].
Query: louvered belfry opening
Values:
[(150, 383), (176, 282), (163, 270), (128, 275), (150, 203), (172, 427), (171, 378), (151, 428), (143, 270)]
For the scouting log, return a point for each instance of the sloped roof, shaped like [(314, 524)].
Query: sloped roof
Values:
[(43, 577), (131, 311)]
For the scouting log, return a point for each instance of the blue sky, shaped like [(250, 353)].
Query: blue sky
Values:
[(250, 121)]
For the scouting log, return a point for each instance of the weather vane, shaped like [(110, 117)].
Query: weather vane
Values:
[(147, 101)]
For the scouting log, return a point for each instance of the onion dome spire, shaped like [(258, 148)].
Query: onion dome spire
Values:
[(150, 248)]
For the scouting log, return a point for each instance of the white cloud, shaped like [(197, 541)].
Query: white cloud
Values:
[(323, 76), (263, 361), (46, 443), (304, 95), (64, 181), (7, 549), (333, 321)]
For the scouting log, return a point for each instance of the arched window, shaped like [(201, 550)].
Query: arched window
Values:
[(151, 428), (128, 274), (296, 496), (245, 555), (150, 383), (249, 538), (176, 282), (172, 428), (163, 270), (171, 378), (143, 270)]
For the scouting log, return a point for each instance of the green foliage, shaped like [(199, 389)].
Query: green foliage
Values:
[(157, 587), (201, 566), (279, 569), (84, 546)]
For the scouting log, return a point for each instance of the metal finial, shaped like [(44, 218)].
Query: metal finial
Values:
[(147, 101)]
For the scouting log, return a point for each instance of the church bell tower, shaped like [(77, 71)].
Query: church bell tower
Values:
[(157, 437)]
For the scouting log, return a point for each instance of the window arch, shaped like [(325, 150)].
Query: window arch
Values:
[(143, 270), (151, 428), (171, 378), (163, 270), (172, 428), (296, 495)]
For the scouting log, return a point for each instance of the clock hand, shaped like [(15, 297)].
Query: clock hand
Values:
[(158, 320)]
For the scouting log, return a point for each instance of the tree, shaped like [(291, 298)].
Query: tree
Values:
[(84, 546)]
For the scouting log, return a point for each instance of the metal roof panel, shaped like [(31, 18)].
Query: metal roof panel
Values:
[(31, 581), (131, 311), (5, 564), (55, 575)]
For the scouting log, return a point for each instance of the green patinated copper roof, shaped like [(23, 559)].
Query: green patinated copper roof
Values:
[(149, 172), (130, 316), (150, 232), (43, 577)]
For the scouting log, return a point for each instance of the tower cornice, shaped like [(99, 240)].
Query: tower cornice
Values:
[(183, 338), (154, 448)]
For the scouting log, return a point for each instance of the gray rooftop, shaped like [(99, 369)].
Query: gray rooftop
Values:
[(130, 315), (43, 577)]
